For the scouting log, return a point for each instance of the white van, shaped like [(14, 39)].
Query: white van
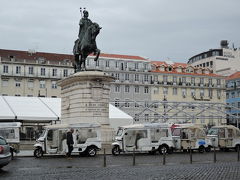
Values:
[(150, 138), (86, 137), (11, 132), (224, 137)]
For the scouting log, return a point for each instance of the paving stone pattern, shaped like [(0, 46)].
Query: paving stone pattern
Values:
[(120, 167)]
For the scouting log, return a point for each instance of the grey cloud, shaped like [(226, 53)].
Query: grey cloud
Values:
[(157, 29)]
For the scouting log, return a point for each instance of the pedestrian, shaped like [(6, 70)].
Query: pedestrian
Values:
[(70, 142)]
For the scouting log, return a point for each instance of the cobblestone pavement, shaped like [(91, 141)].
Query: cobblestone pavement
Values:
[(121, 167)]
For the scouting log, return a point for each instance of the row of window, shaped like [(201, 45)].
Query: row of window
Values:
[(126, 77), (166, 78), (119, 65), (205, 55), (30, 84), (184, 80), (29, 95), (184, 92), (233, 94), (207, 64), (165, 91), (31, 71), (137, 89), (234, 104), (233, 84)]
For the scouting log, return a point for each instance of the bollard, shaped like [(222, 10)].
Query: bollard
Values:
[(238, 149), (164, 157), (104, 158), (134, 162), (190, 153), (214, 154)]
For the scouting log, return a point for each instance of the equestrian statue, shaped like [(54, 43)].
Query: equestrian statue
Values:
[(86, 42)]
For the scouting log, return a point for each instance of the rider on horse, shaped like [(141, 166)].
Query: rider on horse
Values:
[(84, 24), (83, 45)]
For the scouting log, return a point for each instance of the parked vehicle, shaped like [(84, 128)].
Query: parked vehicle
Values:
[(150, 138), (10, 131), (224, 137), (87, 139), (5, 154), (188, 137)]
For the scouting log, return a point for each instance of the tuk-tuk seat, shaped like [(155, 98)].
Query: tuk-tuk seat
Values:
[(81, 142), (53, 146), (130, 145), (143, 142), (91, 139)]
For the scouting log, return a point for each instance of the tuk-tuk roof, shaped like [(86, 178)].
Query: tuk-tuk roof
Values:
[(10, 125), (226, 126), (190, 126), (78, 125), (146, 125)]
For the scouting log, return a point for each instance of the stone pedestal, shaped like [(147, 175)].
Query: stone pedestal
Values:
[(85, 99)]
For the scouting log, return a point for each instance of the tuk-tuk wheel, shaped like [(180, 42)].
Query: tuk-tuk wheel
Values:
[(38, 153), (92, 151), (237, 147), (208, 149), (115, 150)]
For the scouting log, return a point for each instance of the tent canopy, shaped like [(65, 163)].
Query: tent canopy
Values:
[(30, 109), (38, 109), (117, 113)]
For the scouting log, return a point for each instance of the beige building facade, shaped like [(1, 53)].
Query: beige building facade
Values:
[(27, 73), (193, 87)]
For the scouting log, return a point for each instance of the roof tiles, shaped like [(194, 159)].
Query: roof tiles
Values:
[(175, 65), (235, 75), (54, 56)]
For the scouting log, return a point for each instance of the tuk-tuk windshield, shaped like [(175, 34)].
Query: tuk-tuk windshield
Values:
[(213, 131), (7, 133), (42, 135), (119, 132), (176, 132)]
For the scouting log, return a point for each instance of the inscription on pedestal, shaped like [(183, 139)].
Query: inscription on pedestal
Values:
[(97, 109)]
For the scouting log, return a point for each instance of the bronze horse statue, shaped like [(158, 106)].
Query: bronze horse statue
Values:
[(88, 45)]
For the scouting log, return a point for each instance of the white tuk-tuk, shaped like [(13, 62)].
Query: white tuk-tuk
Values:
[(224, 137), (11, 132), (150, 138), (186, 137), (86, 137)]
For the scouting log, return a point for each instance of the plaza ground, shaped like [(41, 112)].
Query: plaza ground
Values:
[(121, 167)]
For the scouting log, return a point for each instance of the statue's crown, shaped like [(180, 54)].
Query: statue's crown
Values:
[(85, 11)]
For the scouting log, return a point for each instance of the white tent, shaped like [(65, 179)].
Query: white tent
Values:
[(118, 118), (5, 111), (36, 109), (29, 109)]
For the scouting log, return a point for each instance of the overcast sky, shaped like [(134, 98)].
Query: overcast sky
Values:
[(155, 29)]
